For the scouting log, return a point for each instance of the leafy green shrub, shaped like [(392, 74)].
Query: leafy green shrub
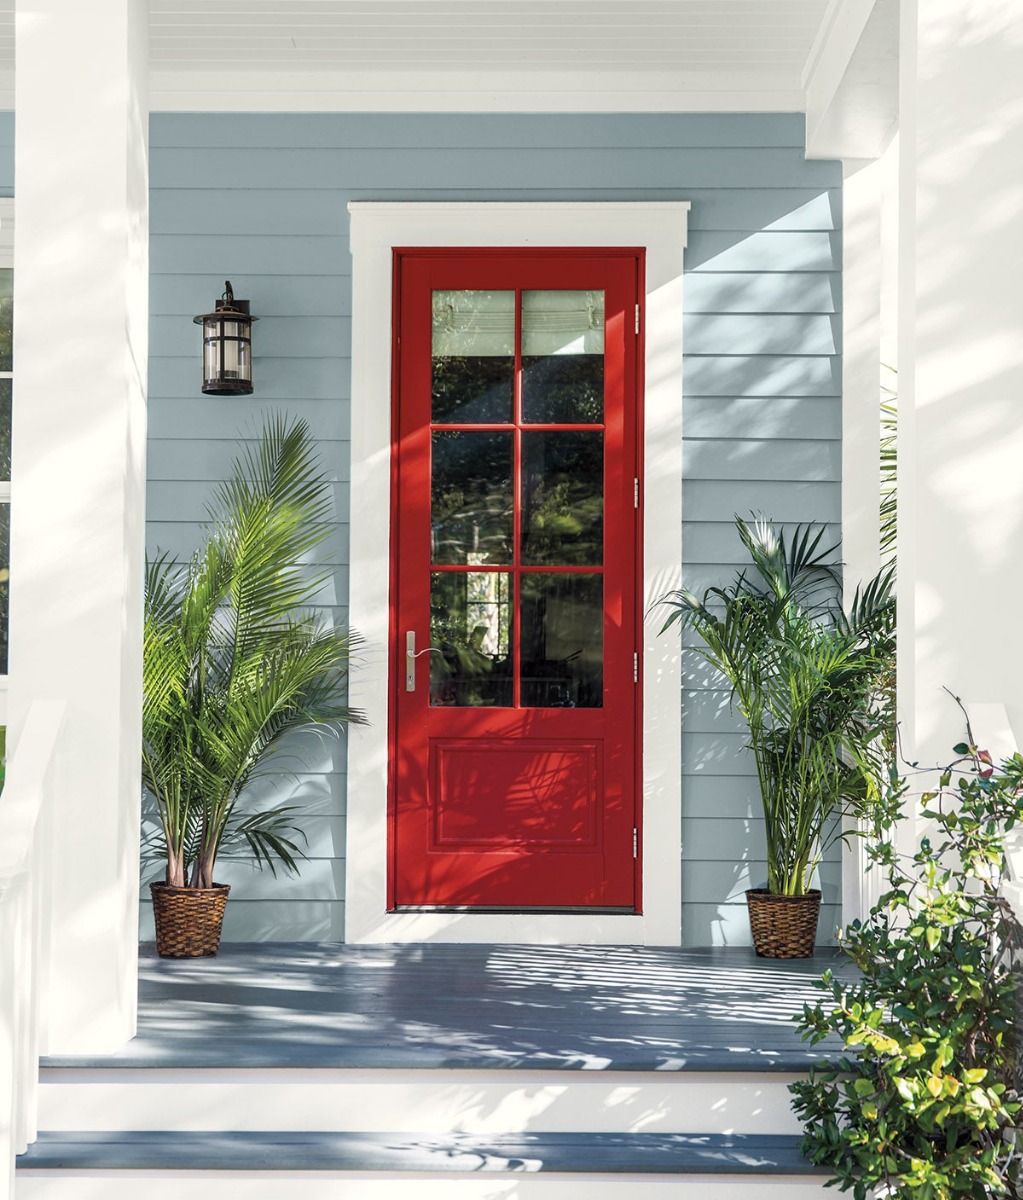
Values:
[(923, 1106), (805, 677)]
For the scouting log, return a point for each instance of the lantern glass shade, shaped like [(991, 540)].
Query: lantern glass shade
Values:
[(227, 348)]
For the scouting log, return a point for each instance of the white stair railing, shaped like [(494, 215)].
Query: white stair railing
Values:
[(25, 886)]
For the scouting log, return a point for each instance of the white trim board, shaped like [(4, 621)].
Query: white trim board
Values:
[(376, 228), (472, 91)]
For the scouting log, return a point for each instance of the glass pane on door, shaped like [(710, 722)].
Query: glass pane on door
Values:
[(563, 357), (471, 505), (471, 638), (562, 498), (473, 356), (562, 647)]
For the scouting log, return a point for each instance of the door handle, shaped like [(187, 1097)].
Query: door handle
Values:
[(410, 659)]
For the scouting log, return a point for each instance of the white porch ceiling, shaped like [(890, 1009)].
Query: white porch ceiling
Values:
[(492, 55), (746, 37)]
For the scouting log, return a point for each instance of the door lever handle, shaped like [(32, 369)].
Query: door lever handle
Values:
[(411, 654)]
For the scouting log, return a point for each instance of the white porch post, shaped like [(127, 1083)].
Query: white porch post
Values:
[(81, 266), (961, 367)]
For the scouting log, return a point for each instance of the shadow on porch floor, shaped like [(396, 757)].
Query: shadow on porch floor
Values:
[(475, 1006)]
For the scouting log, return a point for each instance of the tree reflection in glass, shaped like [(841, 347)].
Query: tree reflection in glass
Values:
[(562, 498), (471, 626), (471, 497), (562, 641)]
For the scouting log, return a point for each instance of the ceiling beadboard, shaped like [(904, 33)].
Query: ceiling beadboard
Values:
[(544, 35), (477, 55)]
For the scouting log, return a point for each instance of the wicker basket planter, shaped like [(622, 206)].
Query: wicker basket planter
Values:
[(188, 920), (783, 926)]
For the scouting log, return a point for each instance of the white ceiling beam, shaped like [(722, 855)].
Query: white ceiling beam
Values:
[(829, 58), (852, 113)]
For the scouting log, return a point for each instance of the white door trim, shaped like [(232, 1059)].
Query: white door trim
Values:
[(376, 228)]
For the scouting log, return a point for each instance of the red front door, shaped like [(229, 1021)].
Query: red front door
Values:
[(514, 584)]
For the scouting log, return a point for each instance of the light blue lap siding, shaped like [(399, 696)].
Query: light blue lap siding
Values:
[(260, 199)]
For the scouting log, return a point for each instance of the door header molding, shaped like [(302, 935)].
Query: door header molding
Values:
[(659, 228)]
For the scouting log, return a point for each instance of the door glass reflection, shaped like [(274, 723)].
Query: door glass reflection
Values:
[(562, 647), (473, 356), (471, 519), (471, 627), (562, 498), (563, 357)]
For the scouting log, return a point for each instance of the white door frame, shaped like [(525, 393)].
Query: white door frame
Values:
[(376, 229)]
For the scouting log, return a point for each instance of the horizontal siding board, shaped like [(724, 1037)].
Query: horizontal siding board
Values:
[(270, 921), (318, 879), (773, 292), (733, 798), (719, 542), (710, 712), (762, 417), (706, 924), (276, 337), (762, 375), (731, 840), (212, 459), (720, 500), (463, 169), (384, 131), (715, 754), (778, 209), (723, 839), (178, 539), (188, 499), (762, 333), (802, 250), (237, 416), (289, 295), (767, 459), (255, 211), (317, 212), (277, 379), (290, 254), (727, 882)]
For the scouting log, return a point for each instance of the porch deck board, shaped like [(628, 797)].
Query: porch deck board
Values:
[(276, 1005)]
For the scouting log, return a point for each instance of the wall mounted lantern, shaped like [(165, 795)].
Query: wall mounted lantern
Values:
[(227, 347)]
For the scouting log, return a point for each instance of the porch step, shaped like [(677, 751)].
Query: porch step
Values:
[(403, 1101), (617, 1154), (378, 1166), (439, 1073)]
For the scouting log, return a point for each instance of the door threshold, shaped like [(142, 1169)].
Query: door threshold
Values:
[(531, 911)]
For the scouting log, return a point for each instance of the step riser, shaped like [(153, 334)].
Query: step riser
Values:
[(414, 1101), (130, 1185)]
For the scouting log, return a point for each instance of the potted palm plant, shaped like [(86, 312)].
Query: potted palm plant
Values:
[(234, 660), (804, 676)]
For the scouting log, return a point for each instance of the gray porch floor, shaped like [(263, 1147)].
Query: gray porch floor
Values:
[(620, 1008)]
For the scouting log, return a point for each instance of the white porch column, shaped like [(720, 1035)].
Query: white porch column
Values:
[(961, 367), (80, 349)]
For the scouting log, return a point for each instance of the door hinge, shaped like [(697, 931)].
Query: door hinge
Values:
[(635, 842), (635, 493), (637, 318), (635, 667)]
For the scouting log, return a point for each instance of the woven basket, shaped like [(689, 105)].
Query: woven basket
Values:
[(188, 920), (783, 926)]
